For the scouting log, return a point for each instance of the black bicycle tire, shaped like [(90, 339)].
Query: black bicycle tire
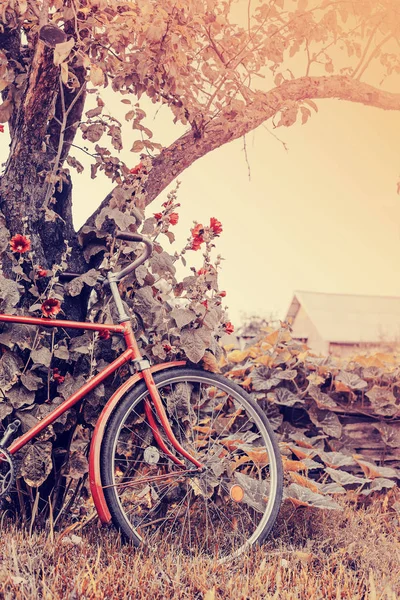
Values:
[(135, 396)]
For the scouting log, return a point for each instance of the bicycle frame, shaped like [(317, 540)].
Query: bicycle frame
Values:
[(131, 354)]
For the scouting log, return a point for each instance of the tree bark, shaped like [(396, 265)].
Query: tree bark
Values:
[(24, 186)]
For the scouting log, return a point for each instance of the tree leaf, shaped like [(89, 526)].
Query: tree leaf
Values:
[(5, 409), (70, 385), (162, 263), (18, 396), (145, 304), (336, 459), (31, 381), (81, 343), (6, 110), (332, 488), (285, 397), (75, 286), (91, 250), (262, 380), (18, 334), (344, 478), (114, 131), (94, 112), (42, 356), (137, 146), (9, 294), (255, 491), (179, 401), (237, 356), (93, 404), (77, 465), (353, 381), (210, 363), (322, 400), (303, 453), (52, 35), (390, 434), (379, 484), (302, 496), (194, 342), (287, 374), (372, 471), (123, 220), (304, 481), (383, 401), (326, 420), (9, 370), (93, 132), (37, 464), (182, 316), (62, 51), (96, 75), (290, 466), (61, 351), (211, 319)]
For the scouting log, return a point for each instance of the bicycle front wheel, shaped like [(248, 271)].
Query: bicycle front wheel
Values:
[(220, 511)]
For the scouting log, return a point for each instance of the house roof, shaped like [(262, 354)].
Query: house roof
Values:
[(350, 318)]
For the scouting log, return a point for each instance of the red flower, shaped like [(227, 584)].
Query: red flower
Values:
[(173, 218), (51, 307), (216, 226), (197, 235), (167, 347), (104, 335), (204, 303), (41, 272), (1, 128), (222, 294), (229, 328), (57, 377), (158, 216), (196, 243), (20, 243), (202, 271), (137, 169), (198, 231)]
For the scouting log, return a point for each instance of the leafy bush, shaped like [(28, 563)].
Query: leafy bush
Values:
[(40, 368), (335, 419)]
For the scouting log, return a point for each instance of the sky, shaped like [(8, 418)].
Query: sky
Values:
[(323, 215)]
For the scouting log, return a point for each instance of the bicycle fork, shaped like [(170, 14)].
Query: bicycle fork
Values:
[(155, 396), (147, 375)]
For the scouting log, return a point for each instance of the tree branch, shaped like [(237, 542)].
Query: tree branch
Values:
[(229, 126)]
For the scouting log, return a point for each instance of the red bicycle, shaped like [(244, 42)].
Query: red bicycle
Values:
[(178, 454)]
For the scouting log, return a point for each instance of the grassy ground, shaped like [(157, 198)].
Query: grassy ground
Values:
[(353, 554)]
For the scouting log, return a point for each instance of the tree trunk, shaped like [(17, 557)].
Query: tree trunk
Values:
[(30, 172)]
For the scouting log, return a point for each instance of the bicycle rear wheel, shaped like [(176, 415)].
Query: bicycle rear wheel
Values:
[(219, 512)]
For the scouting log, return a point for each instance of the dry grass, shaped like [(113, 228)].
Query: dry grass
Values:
[(313, 555)]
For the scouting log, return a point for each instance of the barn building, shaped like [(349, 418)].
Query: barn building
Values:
[(341, 324)]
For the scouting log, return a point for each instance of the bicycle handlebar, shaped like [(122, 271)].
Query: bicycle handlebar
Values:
[(127, 237), (133, 237)]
